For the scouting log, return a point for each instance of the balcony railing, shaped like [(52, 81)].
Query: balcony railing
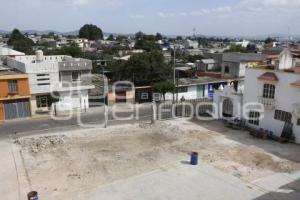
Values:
[(268, 103)]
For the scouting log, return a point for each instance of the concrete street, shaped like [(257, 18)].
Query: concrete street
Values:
[(94, 116)]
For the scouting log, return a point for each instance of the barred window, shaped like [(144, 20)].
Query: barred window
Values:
[(13, 86), (283, 116), (254, 118), (269, 91)]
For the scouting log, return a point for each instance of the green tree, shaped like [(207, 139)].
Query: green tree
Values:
[(91, 32), (147, 43), (163, 87), (237, 48), (120, 38), (269, 40), (20, 42), (72, 50), (111, 37), (142, 69), (159, 36)]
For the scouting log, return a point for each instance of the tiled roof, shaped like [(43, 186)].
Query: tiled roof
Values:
[(268, 76)]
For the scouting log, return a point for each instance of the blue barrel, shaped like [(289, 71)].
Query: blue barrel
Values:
[(32, 195), (194, 158)]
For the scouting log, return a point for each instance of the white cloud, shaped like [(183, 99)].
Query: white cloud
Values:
[(269, 4)]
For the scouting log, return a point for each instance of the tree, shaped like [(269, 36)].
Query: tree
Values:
[(72, 50), (20, 42), (111, 37), (237, 48), (269, 40), (143, 69), (91, 32), (159, 36), (120, 38), (146, 42), (163, 87)]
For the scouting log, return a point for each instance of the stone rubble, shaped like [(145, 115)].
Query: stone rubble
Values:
[(38, 144)]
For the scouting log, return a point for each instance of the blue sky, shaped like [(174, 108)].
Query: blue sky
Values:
[(177, 17)]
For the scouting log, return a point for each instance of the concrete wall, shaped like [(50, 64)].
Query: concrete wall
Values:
[(285, 96), (228, 93)]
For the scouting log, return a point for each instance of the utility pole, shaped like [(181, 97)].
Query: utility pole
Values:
[(105, 90), (174, 73)]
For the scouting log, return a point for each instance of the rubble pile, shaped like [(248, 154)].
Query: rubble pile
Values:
[(38, 144)]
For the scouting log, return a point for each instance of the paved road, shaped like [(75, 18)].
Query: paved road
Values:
[(91, 118)]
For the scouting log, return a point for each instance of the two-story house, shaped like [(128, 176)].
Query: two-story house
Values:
[(14, 94), (278, 90), (57, 82)]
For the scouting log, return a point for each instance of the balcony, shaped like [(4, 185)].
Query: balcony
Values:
[(269, 104)]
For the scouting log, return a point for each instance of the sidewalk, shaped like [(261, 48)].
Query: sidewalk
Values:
[(13, 184)]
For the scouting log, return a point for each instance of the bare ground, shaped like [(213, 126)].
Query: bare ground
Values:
[(66, 165)]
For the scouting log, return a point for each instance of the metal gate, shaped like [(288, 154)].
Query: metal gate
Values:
[(188, 108), (16, 109)]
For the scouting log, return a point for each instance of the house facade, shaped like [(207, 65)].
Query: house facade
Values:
[(14, 95), (59, 83), (235, 64), (279, 92)]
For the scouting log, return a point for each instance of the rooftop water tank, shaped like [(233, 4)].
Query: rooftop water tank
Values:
[(39, 55)]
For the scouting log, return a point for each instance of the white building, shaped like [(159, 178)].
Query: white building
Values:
[(228, 102), (279, 92), (60, 79)]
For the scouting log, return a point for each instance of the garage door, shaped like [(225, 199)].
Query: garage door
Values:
[(16, 109)]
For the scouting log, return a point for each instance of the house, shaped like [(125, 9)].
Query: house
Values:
[(201, 87), (56, 82), (14, 94), (235, 64), (191, 44), (207, 65), (4, 51), (270, 99), (279, 92)]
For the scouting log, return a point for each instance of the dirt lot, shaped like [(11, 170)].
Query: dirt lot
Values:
[(64, 165)]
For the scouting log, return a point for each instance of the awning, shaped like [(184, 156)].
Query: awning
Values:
[(268, 76)]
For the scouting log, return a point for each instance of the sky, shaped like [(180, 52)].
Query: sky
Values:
[(172, 17)]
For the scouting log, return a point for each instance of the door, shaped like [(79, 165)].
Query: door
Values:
[(200, 91), (16, 109), (227, 108)]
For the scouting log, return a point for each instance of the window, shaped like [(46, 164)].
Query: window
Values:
[(43, 79), (298, 122), (283, 116), (76, 76), (269, 91), (39, 75), (43, 101), (182, 89), (144, 96), (12, 86), (227, 70), (41, 84), (254, 118)]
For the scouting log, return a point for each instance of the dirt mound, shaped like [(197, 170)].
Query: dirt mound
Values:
[(38, 144)]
